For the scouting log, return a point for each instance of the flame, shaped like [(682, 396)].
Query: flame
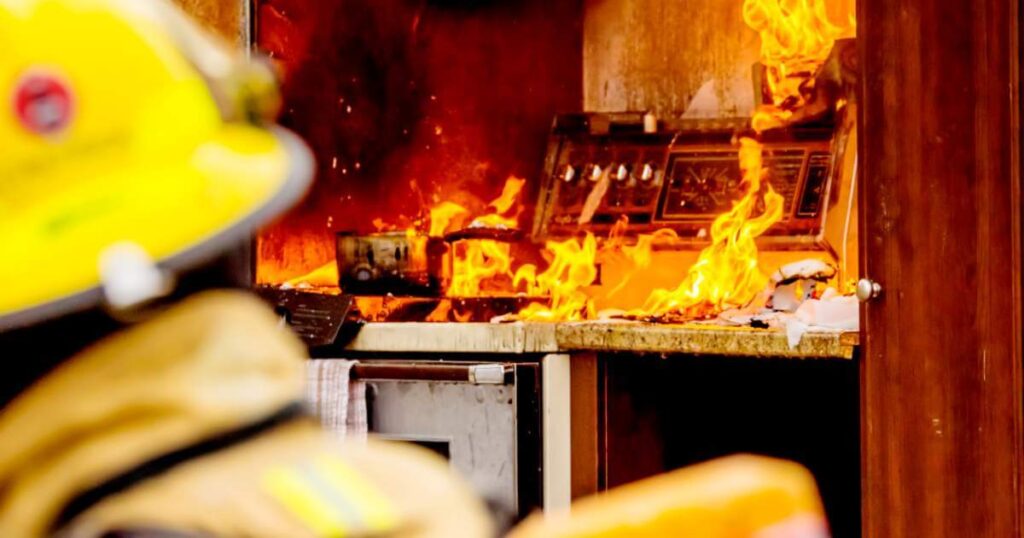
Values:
[(726, 274), (572, 268), (479, 263), (509, 195), (440, 314), (289, 257), (475, 262), (443, 216), (796, 38), (325, 276), (638, 256), (370, 307)]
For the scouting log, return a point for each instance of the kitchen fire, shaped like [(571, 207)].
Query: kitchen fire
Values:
[(476, 206), (517, 268), (636, 218)]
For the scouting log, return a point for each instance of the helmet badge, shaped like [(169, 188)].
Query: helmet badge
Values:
[(43, 103)]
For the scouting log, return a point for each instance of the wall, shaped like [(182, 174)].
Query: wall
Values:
[(673, 56), (222, 16), (409, 103), (657, 55)]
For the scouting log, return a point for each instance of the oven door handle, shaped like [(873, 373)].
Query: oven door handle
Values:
[(478, 374)]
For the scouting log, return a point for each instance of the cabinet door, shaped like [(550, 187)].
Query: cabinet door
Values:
[(940, 233)]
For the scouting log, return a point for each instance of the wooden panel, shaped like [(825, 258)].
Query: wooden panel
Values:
[(222, 16), (632, 435), (667, 413), (941, 378), (651, 54), (585, 413), (671, 56)]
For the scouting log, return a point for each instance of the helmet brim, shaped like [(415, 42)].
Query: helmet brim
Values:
[(231, 185)]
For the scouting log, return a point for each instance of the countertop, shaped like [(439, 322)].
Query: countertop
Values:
[(616, 336)]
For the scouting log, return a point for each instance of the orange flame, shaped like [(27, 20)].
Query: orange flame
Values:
[(638, 256), (509, 195), (442, 217), (572, 268), (796, 37), (726, 273), (325, 276), (478, 263)]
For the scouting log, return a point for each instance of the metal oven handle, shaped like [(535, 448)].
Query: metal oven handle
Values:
[(478, 374)]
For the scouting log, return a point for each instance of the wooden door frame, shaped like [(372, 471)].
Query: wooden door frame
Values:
[(941, 380)]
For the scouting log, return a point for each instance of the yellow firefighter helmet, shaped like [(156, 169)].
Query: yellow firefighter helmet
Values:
[(121, 122)]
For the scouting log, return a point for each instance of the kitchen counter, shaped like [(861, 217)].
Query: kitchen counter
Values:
[(602, 336)]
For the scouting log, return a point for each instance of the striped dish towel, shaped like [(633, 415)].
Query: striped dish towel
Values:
[(335, 398)]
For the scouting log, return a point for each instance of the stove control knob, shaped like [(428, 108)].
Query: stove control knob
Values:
[(868, 289), (593, 172), (568, 173), (621, 173), (647, 174)]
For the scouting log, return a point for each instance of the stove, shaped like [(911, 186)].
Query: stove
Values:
[(680, 176)]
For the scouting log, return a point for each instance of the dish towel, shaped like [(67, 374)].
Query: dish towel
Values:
[(335, 398)]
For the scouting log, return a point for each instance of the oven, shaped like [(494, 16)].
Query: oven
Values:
[(482, 415)]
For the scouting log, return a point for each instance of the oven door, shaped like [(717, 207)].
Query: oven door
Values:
[(484, 417)]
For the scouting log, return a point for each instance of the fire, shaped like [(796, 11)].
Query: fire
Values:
[(640, 255), (726, 274), (325, 276), (442, 217), (572, 268), (288, 258), (480, 265), (796, 38), (476, 262), (509, 195)]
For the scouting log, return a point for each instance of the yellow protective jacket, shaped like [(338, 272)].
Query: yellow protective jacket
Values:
[(733, 497), (191, 423)]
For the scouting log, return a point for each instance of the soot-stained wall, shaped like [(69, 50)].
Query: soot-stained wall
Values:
[(406, 102)]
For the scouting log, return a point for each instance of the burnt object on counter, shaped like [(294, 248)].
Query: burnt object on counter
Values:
[(501, 235), (389, 308), (398, 263)]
